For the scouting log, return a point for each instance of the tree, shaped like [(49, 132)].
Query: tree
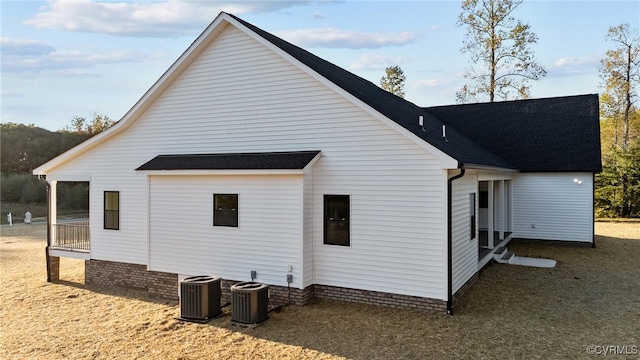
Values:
[(618, 186), (499, 45), (92, 127), (620, 70), (393, 80)]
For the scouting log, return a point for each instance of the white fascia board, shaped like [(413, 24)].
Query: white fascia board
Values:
[(187, 57), (223, 172), (446, 161)]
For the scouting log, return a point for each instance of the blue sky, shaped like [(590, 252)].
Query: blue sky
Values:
[(66, 58)]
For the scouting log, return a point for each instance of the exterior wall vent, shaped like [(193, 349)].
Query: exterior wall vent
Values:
[(200, 297), (249, 302)]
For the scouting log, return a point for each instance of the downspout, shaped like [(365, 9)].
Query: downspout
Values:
[(46, 249), (449, 241), (593, 210)]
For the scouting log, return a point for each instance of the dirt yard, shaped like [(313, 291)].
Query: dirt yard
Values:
[(591, 300)]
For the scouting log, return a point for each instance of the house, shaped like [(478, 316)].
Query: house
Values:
[(252, 154)]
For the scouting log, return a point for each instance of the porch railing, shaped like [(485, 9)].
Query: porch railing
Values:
[(71, 235)]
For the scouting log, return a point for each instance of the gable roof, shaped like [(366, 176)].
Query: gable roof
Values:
[(232, 161), (537, 135)]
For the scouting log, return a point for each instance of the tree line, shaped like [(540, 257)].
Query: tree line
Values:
[(25, 147)]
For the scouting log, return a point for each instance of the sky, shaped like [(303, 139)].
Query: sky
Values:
[(67, 58)]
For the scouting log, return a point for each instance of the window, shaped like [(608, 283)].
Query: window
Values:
[(225, 210), (112, 210), (472, 213), (336, 220)]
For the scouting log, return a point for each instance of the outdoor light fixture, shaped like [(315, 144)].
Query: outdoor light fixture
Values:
[(577, 181)]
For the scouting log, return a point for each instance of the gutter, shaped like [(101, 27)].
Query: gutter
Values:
[(46, 249), (449, 240)]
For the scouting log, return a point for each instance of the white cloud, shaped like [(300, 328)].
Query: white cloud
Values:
[(142, 18), (317, 15), (574, 65), (7, 94), (337, 38), (377, 62), (24, 55), (20, 47)]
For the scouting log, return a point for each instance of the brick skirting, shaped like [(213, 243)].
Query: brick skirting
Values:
[(165, 285), (379, 298)]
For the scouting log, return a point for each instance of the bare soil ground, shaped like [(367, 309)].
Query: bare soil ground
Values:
[(591, 298)]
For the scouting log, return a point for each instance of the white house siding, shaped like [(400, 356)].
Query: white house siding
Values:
[(268, 237), (553, 206), (464, 250), (307, 243), (239, 96)]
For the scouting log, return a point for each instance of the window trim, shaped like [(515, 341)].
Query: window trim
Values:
[(472, 216), (325, 220), (105, 211), (235, 210)]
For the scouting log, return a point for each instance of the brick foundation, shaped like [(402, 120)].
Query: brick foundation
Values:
[(110, 273), (165, 285), (379, 298), (54, 268)]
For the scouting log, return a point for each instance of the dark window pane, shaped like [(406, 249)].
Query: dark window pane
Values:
[(484, 199), (336, 220), (472, 212), (225, 211), (112, 210)]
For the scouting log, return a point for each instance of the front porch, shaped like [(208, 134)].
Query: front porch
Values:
[(495, 229), (486, 248), (67, 238), (71, 236)]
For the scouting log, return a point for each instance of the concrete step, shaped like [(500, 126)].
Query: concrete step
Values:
[(503, 255)]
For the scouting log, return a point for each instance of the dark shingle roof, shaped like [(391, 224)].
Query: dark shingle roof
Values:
[(232, 161), (536, 135), (393, 107), (556, 134)]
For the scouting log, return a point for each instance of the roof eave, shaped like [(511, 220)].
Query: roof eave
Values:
[(470, 166)]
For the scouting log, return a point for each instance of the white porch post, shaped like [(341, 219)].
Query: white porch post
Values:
[(502, 210), (490, 211), (53, 205)]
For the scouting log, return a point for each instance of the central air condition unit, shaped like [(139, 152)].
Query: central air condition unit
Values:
[(200, 297), (249, 302)]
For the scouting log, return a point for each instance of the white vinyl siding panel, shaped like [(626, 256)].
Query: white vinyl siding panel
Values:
[(307, 245), (464, 250), (268, 238), (239, 96), (553, 207)]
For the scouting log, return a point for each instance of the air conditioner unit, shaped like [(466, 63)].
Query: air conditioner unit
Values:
[(200, 297), (249, 302)]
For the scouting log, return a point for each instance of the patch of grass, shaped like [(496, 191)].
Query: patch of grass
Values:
[(18, 210), (38, 212)]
